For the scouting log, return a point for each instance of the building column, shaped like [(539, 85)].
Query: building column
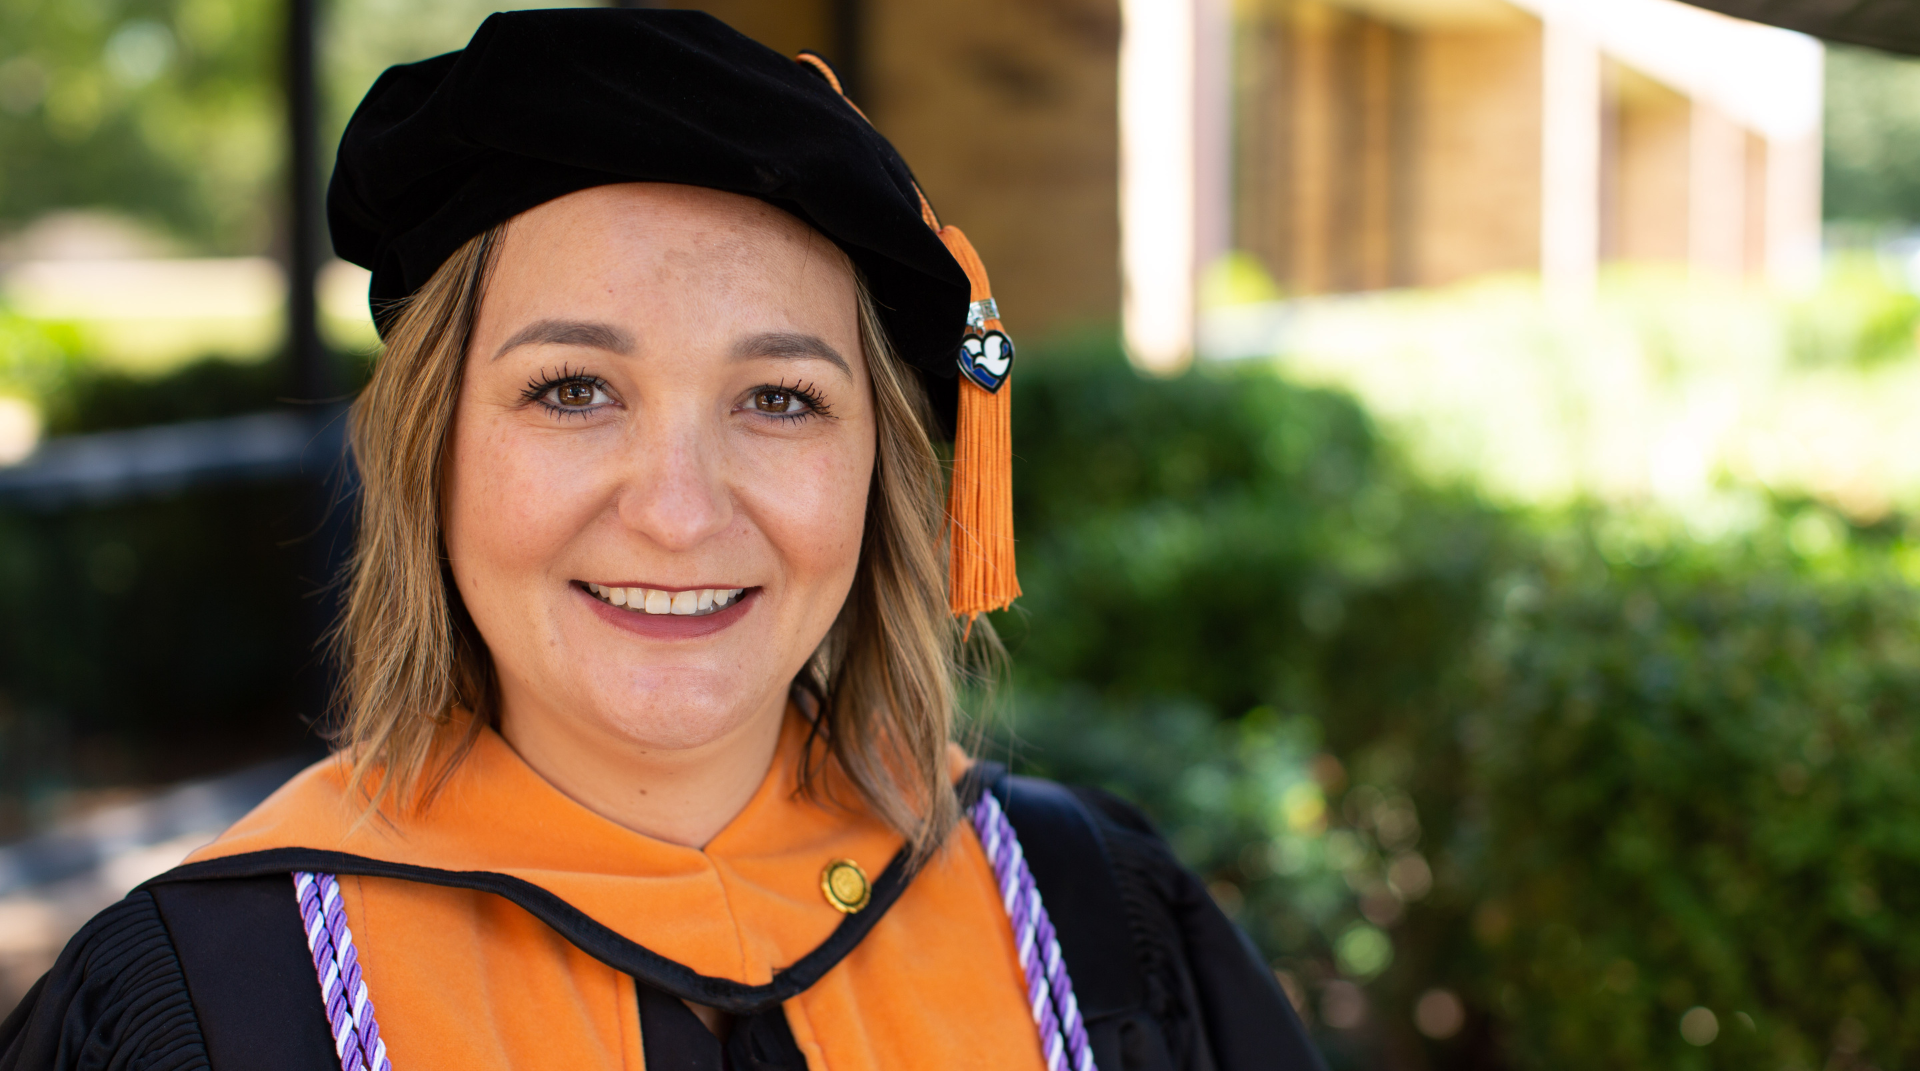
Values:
[(1175, 91), (1716, 192), (1570, 150), (1792, 214)]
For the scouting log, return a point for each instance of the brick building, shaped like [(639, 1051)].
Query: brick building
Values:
[(1346, 144)]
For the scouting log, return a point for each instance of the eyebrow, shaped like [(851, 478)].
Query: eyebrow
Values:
[(585, 333), (789, 346)]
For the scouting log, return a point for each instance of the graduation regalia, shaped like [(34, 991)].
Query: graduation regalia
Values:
[(506, 926), (502, 925)]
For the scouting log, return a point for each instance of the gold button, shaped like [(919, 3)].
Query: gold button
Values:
[(846, 885)]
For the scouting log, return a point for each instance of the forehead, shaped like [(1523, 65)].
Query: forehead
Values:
[(684, 266), (671, 230)]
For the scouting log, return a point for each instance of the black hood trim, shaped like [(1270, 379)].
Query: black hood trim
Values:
[(586, 934)]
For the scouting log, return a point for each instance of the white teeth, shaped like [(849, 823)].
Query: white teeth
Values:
[(655, 601)]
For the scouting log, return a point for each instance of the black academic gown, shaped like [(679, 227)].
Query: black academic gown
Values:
[(199, 972)]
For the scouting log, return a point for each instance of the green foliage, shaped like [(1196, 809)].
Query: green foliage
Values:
[(1226, 536), (1858, 317), (171, 111), (36, 357), (1229, 581), (92, 398), (164, 109), (1582, 772), (1872, 157), (1701, 787)]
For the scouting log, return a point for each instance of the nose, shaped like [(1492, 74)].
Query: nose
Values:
[(675, 493)]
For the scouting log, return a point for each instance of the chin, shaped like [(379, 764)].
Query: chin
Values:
[(676, 710)]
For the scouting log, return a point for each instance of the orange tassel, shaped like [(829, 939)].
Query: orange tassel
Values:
[(981, 574)]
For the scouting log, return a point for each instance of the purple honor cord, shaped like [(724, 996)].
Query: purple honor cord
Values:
[(356, 1033), (1063, 1034)]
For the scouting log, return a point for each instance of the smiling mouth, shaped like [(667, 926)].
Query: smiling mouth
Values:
[(694, 602)]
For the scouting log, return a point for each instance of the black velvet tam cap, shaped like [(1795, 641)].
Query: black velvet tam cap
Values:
[(543, 103)]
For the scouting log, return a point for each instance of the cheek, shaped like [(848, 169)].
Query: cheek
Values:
[(507, 514), (812, 508)]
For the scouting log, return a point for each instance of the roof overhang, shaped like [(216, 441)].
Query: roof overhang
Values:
[(1893, 25)]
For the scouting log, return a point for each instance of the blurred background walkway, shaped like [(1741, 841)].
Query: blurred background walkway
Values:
[(1469, 488)]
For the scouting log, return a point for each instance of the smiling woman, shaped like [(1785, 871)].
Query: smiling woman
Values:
[(652, 633), (692, 365)]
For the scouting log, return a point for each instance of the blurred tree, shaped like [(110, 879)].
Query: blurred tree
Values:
[(1872, 137), (170, 111), (163, 109)]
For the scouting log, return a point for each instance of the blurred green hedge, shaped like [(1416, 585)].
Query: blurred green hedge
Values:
[(1567, 791)]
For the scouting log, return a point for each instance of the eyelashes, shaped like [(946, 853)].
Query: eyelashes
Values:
[(544, 388), (764, 399), (577, 393), (546, 381)]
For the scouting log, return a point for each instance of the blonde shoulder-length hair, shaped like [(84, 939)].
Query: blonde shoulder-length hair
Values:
[(882, 683)]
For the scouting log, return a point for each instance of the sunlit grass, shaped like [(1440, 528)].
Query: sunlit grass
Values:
[(1694, 396), (152, 318)]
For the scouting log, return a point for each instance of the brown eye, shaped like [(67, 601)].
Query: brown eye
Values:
[(775, 400), (569, 392)]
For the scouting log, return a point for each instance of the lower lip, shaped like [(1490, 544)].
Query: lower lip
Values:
[(670, 626)]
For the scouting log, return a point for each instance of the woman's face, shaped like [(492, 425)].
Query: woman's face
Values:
[(657, 478)]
